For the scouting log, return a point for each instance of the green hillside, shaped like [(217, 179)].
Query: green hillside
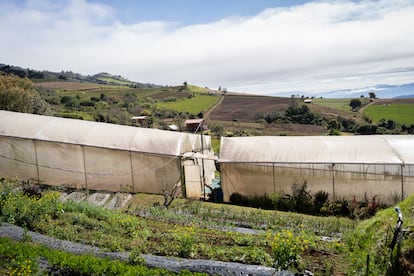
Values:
[(194, 105), (400, 113)]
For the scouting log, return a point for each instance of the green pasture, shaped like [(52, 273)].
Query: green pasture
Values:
[(342, 104), (197, 89), (401, 113), (112, 80), (194, 105), (337, 103)]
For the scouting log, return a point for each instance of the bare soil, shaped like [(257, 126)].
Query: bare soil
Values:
[(391, 101), (245, 108)]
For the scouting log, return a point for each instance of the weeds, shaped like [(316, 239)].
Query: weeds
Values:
[(194, 229), (286, 248)]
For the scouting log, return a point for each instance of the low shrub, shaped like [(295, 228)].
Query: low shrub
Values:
[(301, 201), (21, 259), (19, 208), (286, 248)]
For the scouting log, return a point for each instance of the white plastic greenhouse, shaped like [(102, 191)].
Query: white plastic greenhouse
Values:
[(343, 166), (100, 156)]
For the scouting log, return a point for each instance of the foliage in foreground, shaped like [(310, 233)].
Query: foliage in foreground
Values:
[(190, 229), (370, 247), (20, 95), (116, 231), (21, 258), (302, 201)]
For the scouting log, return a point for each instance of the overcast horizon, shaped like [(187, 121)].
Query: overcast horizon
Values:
[(261, 47)]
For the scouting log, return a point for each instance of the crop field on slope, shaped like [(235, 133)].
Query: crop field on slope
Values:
[(337, 103), (342, 104), (246, 108), (399, 110), (194, 105), (69, 85), (85, 90)]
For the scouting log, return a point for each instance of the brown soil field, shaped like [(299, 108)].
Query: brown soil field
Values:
[(294, 129), (245, 108), (391, 101), (68, 85)]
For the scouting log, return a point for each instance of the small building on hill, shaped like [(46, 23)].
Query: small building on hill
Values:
[(139, 121), (195, 124)]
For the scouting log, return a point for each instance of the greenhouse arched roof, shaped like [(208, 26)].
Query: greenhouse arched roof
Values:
[(55, 129), (372, 149)]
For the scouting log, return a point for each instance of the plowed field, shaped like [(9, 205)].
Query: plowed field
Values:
[(245, 108)]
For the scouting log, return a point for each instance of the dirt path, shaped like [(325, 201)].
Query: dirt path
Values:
[(207, 114)]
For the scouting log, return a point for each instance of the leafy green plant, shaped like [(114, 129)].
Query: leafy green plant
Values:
[(186, 238), (21, 209), (286, 248)]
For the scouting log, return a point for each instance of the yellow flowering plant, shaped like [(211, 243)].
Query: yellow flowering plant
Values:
[(286, 248)]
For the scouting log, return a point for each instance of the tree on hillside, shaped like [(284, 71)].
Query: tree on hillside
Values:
[(372, 95), (355, 104), (20, 95)]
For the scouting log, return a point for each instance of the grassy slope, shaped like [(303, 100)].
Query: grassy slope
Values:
[(372, 237), (341, 104), (402, 114), (194, 105), (186, 229), (338, 103)]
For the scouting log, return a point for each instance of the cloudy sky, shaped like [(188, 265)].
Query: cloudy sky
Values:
[(254, 46)]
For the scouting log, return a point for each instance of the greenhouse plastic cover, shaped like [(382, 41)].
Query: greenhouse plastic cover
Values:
[(373, 149), (96, 134), (97, 156)]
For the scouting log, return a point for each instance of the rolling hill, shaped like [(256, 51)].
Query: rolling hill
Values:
[(109, 98)]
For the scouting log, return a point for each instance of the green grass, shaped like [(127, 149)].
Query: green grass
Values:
[(215, 142), (192, 229), (402, 114), (373, 237), (194, 105), (341, 104), (21, 258), (197, 89), (112, 80), (189, 229), (338, 103)]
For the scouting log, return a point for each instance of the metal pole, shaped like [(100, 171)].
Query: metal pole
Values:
[(132, 172), (402, 182), (202, 161), (37, 162), (274, 180), (333, 181), (84, 167)]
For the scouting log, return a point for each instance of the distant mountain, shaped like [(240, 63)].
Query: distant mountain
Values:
[(383, 91), (405, 97), (100, 78)]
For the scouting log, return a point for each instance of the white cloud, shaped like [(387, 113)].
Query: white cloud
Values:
[(314, 47)]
